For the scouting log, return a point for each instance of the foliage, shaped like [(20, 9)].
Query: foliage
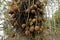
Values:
[(57, 17)]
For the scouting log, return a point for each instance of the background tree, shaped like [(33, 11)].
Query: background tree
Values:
[(57, 18)]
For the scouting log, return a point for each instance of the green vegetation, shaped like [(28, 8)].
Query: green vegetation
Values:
[(57, 18)]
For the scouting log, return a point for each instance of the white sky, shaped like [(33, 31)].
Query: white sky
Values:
[(51, 8)]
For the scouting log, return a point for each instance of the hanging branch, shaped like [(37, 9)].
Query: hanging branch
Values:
[(28, 17)]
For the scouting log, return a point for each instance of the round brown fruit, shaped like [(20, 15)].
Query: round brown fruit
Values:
[(41, 30), (45, 1), (31, 28), (13, 7), (44, 19), (27, 32), (23, 25), (39, 19), (36, 16), (32, 7), (42, 27), (13, 15), (37, 28), (27, 11), (31, 23), (34, 20), (33, 11), (35, 6), (38, 3), (30, 20), (15, 24)]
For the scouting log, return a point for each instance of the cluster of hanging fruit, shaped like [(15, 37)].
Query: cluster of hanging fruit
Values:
[(28, 16)]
